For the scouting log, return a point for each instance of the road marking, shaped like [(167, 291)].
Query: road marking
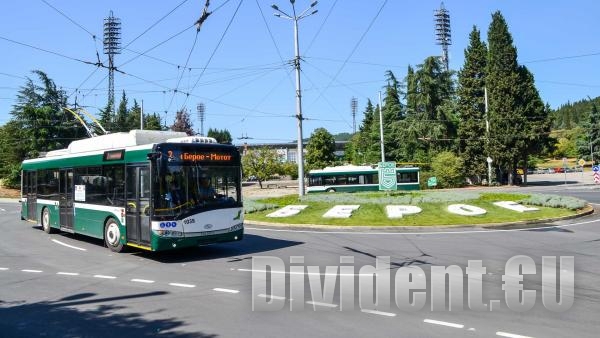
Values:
[(104, 276), (418, 233), (3, 269), (510, 335), (34, 271), (437, 322), (262, 295), (68, 273), (183, 285), (307, 273), (321, 304), (226, 290), (146, 281), (381, 313), (68, 246)]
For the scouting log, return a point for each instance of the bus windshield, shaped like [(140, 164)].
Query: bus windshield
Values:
[(185, 188)]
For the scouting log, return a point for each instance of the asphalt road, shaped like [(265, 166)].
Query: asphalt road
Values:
[(62, 285)]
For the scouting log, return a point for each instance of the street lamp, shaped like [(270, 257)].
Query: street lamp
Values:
[(295, 18)]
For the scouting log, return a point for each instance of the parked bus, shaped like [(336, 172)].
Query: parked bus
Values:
[(142, 189), (352, 178)]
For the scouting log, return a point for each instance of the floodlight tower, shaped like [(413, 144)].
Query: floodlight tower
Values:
[(201, 108), (112, 46), (442, 32), (353, 106)]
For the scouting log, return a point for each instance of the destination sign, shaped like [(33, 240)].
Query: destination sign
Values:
[(202, 156)]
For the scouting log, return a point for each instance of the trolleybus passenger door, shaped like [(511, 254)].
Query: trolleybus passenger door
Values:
[(138, 204), (65, 192), (31, 194)]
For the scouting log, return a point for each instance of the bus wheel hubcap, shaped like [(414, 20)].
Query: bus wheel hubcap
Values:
[(112, 234)]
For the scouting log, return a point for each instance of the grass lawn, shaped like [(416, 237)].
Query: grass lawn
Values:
[(372, 209)]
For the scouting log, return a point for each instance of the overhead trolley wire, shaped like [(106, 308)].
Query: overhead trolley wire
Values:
[(214, 51)]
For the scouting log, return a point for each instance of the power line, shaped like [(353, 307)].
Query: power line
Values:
[(320, 27), (563, 58), (154, 24), (214, 51), (353, 49), (51, 52), (68, 18)]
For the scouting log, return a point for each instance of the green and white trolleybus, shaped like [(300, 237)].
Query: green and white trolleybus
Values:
[(352, 178), (153, 190)]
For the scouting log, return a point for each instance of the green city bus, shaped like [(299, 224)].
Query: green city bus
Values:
[(139, 189), (351, 178)]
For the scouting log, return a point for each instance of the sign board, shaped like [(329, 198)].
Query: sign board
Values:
[(387, 176), (596, 177), (595, 168), (432, 182), (80, 193), (581, 162)]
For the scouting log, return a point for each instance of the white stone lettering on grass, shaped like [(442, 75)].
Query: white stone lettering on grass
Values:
[(397, 211), (514, 206), (466, 210), (287, 211), (341, 211)]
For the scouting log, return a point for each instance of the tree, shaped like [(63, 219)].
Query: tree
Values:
[(121, 118), (588, 144), (182, 122), (506, 114), (261, 163), (471, 107), (152, 122), (222, 136), (39, 120), (448, 168), (320, 149)]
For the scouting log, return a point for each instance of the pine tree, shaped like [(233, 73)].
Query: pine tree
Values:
[(120, 122), (471, 107)]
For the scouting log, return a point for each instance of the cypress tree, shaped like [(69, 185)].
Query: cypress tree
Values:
[(471, 107)]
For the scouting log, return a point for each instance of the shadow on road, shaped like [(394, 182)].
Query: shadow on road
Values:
[(61, 318), (251, 244), (549, 183)]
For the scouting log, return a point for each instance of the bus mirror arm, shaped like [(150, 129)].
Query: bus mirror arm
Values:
[(153, 156)]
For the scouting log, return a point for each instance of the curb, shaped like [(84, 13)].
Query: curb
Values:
[(587, 210)]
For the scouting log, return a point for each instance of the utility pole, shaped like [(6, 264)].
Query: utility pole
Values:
[(295, 18), (381, 130), (487, 134)]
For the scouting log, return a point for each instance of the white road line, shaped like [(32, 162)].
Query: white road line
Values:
[(321, 304), (34, 271), (262, 295), (183, 285), (226, 290), (68, 273), (146, 281), (510, 335), (307, 273), (3, 269), (365, 233), (437, 322), (381, 313), (104, 276), (68, 246)]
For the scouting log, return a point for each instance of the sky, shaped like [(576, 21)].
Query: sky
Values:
[(239, 64)]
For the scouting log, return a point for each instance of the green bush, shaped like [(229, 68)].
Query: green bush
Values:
[(448, 168)]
